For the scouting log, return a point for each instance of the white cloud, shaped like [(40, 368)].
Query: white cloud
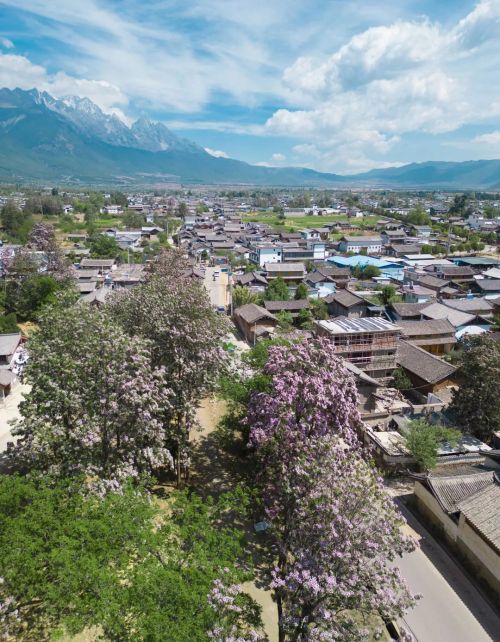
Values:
[(389, 81), (491, 138), (6, 43), (218, 153), (277, 157), (350, 102), (18, 71)]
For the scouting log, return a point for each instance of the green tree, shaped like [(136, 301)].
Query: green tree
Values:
[(102, 246), (305, 319), (182, 209), (28, 297), (15, 222), (418, 216), (475, 403), (133, 219), (119, 198), (277, 290), (278, 209), (243, 295), (301, 292), (424, 439), (309, 265), (70, 561), (285, 320), (319, 309), (366, 271), (8, 323), (459, 204), (400, 380), (387, 294)]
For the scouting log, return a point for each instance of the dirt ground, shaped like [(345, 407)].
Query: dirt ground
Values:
[(9, 410), (216, 470)]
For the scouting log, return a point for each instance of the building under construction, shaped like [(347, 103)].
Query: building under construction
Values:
[(369, 343)]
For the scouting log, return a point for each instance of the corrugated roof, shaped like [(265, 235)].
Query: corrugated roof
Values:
[(482, 510), (342, 325), (451, 491), (424, 365)]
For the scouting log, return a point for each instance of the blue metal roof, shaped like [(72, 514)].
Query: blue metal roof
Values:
[(360, 260)]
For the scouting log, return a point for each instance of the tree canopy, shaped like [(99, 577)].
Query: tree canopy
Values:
[(16, 223), (277, 290), (96, 406), (475, 403), (335, 531), (423, 440), (70, 560)]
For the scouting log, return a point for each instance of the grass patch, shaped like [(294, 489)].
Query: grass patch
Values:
[(301, 222)]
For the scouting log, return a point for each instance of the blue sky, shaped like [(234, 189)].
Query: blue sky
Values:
[(336, 85)]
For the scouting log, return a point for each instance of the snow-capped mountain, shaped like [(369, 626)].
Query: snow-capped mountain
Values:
[(91, 120), (72, 140)]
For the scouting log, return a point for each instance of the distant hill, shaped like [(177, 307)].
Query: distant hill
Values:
[(72, 140)]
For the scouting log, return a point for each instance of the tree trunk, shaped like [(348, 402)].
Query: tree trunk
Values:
[(281, 631), (179, 467)]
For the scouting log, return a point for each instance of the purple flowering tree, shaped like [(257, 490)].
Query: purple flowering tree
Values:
[(237, 615), (174, 312), (43, 239), (96, 405), (334, 528)]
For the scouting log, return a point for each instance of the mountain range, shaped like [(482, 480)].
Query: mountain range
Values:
[(72, 140)]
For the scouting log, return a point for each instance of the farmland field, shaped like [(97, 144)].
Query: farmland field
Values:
[(296, 223), (301, 222)]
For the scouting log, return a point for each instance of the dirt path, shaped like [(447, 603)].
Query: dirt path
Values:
[(9, 410), (216, 470)]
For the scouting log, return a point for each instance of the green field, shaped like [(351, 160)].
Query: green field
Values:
[(301, 222)]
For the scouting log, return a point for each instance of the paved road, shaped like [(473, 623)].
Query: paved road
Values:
[(451, 609), (218, 289)]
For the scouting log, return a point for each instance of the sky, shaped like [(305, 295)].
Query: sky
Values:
[(337, 85)]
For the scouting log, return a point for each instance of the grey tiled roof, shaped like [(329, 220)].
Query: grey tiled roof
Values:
[(482, 510), (408, 309), (489, 285), (292, 306), (9, 343), (345, 298), (424, 365), (427, 327), (451, 491), (473, 306), (252, 312), (442, 312)]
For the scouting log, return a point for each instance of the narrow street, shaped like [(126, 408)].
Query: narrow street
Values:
[(217, 288), (451, 608)]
